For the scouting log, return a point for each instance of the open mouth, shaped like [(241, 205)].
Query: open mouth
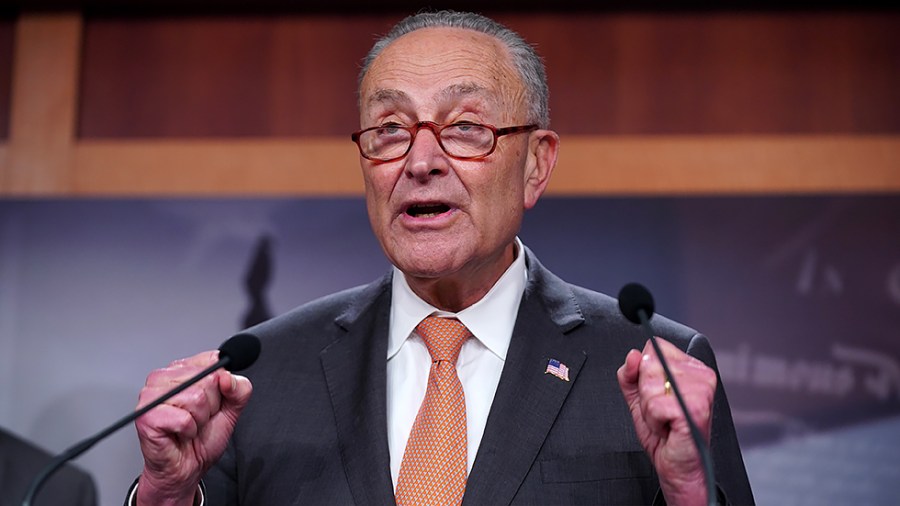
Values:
[(427, 210)]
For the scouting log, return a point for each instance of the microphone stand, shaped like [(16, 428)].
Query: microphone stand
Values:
[(86, 444), (702, 447)]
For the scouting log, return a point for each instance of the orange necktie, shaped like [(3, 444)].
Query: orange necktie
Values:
[(433, 470)]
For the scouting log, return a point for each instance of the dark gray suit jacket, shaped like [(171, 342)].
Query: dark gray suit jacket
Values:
[(315, 430), (21, 461)]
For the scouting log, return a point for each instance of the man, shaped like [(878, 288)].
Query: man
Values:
[(352, 393), (21, 461)]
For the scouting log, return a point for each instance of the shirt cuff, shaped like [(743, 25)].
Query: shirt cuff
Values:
[(199, 497)]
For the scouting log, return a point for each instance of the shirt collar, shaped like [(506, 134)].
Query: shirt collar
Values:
[(490, 320)]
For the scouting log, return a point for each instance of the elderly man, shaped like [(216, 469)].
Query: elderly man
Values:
[(469, 373)]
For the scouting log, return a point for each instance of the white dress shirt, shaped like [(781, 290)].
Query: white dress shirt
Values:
[(480, 362)]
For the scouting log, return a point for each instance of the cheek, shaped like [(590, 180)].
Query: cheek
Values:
[(501, 196), (377, 189), (509, 182), (380, 180)]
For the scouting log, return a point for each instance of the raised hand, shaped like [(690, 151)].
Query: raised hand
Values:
[(181, 438), (659, 421)]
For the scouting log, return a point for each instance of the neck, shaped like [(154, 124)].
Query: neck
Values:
[(459, 290)]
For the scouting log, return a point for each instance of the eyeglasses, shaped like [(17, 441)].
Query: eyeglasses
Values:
[(463, 141)]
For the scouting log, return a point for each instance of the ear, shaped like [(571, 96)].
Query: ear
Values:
[(543, 148)]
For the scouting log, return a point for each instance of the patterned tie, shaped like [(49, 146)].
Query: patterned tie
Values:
[(433, 470)]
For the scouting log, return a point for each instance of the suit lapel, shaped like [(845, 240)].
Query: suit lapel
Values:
[(527, 400), (355, 370)]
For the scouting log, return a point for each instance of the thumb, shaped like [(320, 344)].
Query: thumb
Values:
[(628, 375), (236, 391)]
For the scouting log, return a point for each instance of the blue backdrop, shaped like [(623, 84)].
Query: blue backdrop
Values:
[(800, 297)]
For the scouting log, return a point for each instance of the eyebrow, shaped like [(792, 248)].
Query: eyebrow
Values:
[(452, 92), (461, 90), (388, 95)]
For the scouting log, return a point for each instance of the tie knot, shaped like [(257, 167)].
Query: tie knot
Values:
[(443, 337)]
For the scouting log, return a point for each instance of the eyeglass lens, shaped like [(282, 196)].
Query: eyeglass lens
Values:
[(462, 140)]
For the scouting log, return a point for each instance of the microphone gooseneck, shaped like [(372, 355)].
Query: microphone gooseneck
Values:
[(237, 353), (636, 304)]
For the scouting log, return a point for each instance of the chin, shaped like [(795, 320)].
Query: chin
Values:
[(428, 252), (421, 268)]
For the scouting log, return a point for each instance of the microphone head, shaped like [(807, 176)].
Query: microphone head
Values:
[(241, 349), (632, 298)]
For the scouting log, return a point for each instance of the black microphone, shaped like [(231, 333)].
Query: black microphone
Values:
[(237, 353), (637, 306)]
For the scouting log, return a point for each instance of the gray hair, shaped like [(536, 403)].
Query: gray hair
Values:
[(524, 57)]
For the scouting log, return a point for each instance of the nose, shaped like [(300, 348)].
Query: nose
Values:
[(426, 158)]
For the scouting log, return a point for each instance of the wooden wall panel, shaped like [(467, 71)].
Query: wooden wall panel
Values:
[(588, 165), (43, 110), (725, 73), (610, 74), (222, 77), (7, 27), (684, 103)]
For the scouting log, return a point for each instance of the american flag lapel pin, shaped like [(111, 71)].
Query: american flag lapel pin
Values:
[(558, 369)]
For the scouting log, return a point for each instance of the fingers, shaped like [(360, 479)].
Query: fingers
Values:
[(166, 423), (201, 399), (695, 381), (643, 381), (682, 367), (186, 413), (179, 370)]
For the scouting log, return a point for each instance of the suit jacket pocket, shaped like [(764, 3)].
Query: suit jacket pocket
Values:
[(604, 466)]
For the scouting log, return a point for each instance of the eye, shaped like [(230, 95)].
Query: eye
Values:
[(466, 132), (390, 130), (465, 126)]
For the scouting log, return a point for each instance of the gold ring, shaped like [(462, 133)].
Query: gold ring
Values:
[(668, 387)]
